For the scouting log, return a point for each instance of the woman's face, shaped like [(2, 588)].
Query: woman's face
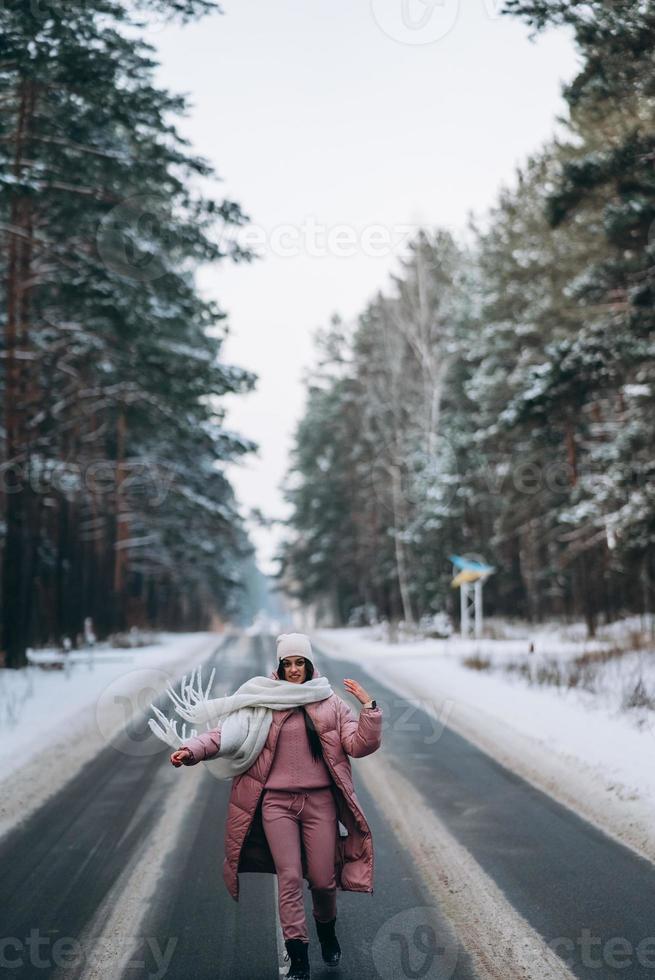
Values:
[(294, 669)]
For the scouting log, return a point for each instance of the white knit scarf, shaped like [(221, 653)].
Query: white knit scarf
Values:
[(246, 715)]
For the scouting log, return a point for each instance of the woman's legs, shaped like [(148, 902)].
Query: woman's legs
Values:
[(285, 815), (319, 835), (283, 835)]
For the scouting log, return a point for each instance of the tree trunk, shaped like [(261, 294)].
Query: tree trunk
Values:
[(401, 563), (122, 527), (17, 557)]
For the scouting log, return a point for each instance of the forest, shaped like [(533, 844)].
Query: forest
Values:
[(495, 399), (114, 504)]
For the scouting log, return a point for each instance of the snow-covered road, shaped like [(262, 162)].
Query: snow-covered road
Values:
[(478, 874)]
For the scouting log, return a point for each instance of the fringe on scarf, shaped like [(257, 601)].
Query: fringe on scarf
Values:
[(191, 694)]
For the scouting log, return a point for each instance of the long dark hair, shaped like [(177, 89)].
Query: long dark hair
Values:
[(310, 728)]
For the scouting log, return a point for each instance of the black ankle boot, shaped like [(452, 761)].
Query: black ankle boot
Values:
[(298, 951), (330, 947)]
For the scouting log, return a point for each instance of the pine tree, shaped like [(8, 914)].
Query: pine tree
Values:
[(111, 357), (604, 372)]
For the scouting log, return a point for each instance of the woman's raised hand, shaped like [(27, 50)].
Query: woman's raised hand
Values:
[(178, 757), (354, 688)]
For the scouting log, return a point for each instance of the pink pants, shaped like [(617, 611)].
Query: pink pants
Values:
[(285, 815)]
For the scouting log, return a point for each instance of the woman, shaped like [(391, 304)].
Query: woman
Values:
[(294, 811)]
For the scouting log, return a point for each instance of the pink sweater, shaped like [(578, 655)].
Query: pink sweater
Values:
[(293, 766)]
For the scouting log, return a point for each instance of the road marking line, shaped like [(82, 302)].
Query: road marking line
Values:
[(500, 942), (108, 952)]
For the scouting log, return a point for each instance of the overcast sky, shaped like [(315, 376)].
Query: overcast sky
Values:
[(340, 128)]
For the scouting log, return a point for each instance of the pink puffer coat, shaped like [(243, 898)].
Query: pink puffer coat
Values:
[(341, 735)]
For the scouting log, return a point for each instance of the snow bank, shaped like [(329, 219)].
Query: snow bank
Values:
[(73, 709), (578, 745)]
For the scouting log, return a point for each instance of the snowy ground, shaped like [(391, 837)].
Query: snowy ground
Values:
[(582, 744), (58, 712)]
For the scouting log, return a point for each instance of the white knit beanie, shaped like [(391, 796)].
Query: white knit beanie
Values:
[(293, 643)]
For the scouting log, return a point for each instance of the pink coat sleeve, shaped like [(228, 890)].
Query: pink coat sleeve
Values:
[(360, 736), (203, 746)]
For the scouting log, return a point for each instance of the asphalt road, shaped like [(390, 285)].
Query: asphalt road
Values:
[(70, 873)]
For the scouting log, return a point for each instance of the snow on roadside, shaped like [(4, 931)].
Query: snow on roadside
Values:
[(578, 747), (37, 704), (53, 721)]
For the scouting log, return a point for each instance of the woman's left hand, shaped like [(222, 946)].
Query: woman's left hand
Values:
[(354, 688)]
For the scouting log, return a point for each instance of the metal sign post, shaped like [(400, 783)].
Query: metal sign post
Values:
[(470, 580)]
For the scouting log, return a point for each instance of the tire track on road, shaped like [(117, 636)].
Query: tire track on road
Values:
[(60, 863), (572, 885)]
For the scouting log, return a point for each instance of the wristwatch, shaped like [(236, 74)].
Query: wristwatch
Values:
[(371, 704)]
